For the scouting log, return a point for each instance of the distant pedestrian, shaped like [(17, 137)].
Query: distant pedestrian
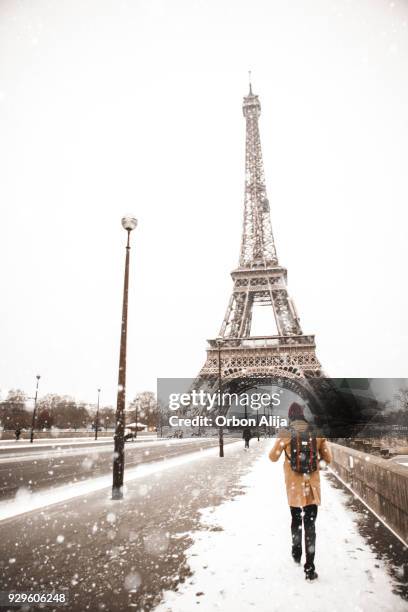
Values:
[(304, 456), (246, 434), (17, 433)]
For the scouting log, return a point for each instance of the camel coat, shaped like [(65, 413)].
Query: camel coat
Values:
[(302, 489)]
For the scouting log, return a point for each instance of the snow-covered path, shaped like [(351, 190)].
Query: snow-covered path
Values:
[(246, 565)]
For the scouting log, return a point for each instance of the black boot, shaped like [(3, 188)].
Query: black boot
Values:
[(311, 574)]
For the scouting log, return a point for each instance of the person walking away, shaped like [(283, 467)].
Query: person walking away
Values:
[(246, 434), (305, 455), (17, 433)]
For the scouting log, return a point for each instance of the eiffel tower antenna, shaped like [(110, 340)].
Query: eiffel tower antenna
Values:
[(257, 246), (250, 82), (260, 280)]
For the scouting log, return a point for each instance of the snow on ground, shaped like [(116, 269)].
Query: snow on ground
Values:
[(24, 443), (25, 501), (247, 564), (58, 449), (56, 442)]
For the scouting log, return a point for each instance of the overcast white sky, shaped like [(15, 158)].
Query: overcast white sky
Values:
[(110, 106)]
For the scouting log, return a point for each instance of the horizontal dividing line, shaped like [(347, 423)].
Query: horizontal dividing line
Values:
[(368, 507)]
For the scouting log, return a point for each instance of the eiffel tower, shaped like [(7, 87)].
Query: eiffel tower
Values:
[(259, 279)]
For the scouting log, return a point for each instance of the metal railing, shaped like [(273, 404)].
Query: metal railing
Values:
[(265, 341)]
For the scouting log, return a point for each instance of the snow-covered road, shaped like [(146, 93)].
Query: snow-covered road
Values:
[(241, 559), (28, 453), (26, 501)]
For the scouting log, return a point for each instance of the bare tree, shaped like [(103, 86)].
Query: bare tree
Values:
[(44, 419), (13, 411), (145, 404), (64, 412), (107, 417)]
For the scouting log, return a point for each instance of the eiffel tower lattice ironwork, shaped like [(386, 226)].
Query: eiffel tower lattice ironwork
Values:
[(259, 279)]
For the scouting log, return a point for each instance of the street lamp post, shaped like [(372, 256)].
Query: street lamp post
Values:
[(269, 418), (264, 420), (97, 416), (220, 428), (159, 421), (129, 224), (35, 409), (257, 423)]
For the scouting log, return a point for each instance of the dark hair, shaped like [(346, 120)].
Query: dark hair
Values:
[(295, 412)]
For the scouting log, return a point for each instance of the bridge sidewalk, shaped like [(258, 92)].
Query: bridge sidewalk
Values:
[(241, 558)]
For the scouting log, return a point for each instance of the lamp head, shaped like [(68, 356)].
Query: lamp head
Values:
[(129, 223)]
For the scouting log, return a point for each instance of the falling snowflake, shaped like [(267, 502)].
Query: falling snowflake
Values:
[(133, 581), (156, 543)]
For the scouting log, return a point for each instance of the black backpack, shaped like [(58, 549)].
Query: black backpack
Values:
[(303, 453)]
